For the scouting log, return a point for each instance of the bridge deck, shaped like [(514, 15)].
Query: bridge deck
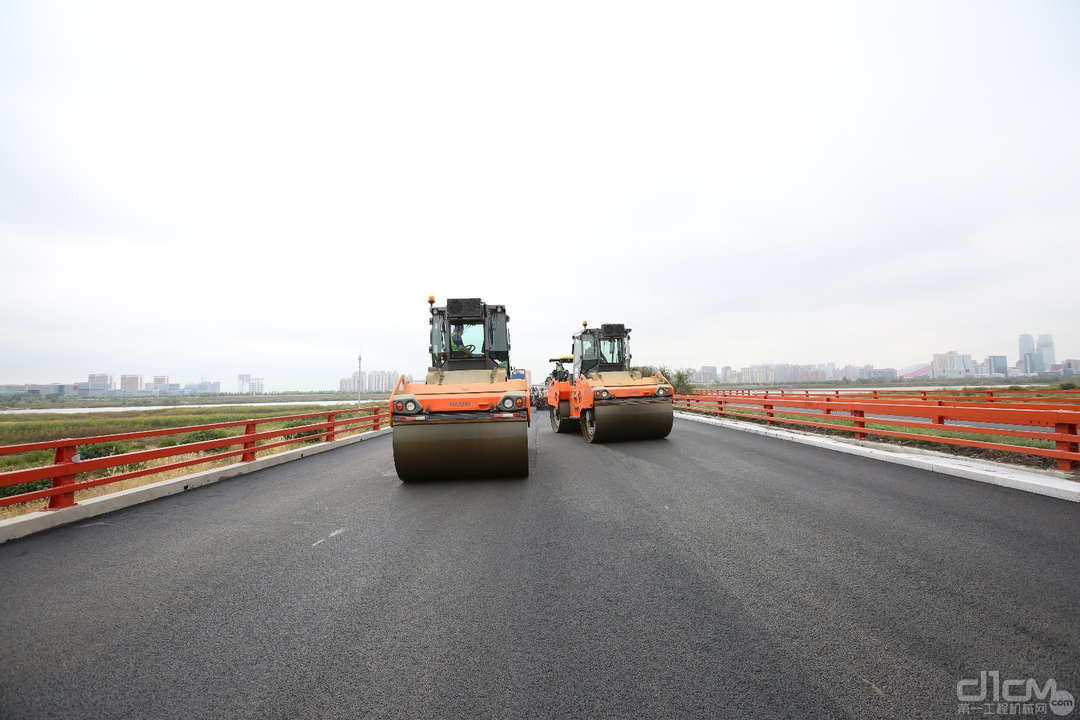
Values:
[(714, 573)]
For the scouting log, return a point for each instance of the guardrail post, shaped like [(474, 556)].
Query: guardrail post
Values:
[(377, 413), (1067, 446), (63, 456), (249, 446), (859, 422), (330, 430), (768, 414)]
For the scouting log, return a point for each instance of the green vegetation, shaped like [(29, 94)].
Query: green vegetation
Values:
[(306, 433), (206, 436), (681, 379)]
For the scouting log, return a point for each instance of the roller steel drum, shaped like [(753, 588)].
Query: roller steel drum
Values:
[(461, 450), (636, 421)]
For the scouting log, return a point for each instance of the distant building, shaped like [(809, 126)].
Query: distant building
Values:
[(243, 384), (951, 365), (101, 379), (1027, 345), (203, 387), (381, 380), (131, 383), (1046, 349), (997, 365), (708, 373)]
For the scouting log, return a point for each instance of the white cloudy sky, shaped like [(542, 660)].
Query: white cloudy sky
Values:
[(205, 189)]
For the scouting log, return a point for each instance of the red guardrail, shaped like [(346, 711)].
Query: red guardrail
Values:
[(991, 397), (1002, 419), (66, 467)]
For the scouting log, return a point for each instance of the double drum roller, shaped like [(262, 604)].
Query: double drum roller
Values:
[(602, 395), (470, 417)]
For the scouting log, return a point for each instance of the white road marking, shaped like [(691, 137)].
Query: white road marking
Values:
[(318, 541), (337, 532)]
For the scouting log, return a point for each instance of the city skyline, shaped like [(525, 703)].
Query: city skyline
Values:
[(850, 370)]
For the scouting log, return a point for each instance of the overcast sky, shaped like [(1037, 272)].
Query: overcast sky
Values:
[(207, 189)]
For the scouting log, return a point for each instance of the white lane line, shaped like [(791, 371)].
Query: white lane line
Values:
[(318, 541), (337, 532)]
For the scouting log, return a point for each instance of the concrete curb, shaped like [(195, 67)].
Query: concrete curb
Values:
[(981, 471), (34, 522)]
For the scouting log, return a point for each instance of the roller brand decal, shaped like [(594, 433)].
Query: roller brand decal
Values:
[(465, 403)]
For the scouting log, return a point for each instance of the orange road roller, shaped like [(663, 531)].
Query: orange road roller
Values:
[(470, 416), (558, 396), (610, 400)]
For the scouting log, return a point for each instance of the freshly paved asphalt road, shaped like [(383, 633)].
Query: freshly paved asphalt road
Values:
[(711, 574)]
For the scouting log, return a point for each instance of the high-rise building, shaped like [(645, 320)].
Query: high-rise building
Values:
[(1027, 345), (160, 382), (131, 382), (997, 365), (708, 373), (1046, 349), (102, 380), (243, 384)]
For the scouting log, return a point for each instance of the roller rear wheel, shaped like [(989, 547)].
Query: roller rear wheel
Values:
[(561, 422)]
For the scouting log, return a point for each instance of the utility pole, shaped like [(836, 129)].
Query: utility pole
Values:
[(359, 378)]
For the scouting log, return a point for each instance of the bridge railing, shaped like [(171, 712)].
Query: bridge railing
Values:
[(1042, 399), (64, 474), (938, 422)]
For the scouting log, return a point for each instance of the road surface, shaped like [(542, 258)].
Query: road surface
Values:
[(711, 574)]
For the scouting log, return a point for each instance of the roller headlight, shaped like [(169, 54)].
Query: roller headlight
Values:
[(602, 394), (410, 406), (507, 403), (661, 391)]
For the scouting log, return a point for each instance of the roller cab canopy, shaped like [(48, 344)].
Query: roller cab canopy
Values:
[(604, 349), (468, 334)]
